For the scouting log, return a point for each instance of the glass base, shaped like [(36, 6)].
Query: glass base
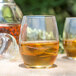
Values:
[(40, 67), (72, 58)]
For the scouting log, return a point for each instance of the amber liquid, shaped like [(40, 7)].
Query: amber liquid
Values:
[(39, 54), (13, 29), (70, 48)]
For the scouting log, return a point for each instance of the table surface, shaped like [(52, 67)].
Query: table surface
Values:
[(65, 67)]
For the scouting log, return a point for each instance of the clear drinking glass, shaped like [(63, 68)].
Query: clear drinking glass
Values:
[(10, 23), (69, 37), (39, 42)]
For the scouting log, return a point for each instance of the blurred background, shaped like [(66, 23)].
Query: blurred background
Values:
[(60, 8)]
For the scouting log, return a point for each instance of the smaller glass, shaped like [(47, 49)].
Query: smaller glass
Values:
[(39, 42), (69, 37)]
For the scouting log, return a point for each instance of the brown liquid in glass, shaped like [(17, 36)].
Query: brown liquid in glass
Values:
[(39, 54), (13, 29), (70, 48)]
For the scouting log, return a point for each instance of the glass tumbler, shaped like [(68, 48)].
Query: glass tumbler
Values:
[(39, 42), (69, 37)]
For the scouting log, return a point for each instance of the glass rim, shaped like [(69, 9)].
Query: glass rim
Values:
[(38, 16), (11, 23), (8, 24)]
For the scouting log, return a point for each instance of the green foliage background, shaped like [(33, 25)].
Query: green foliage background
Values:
[(60, 8)]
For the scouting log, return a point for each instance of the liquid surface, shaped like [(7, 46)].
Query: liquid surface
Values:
[(70, 48), (13, 29), (41, 53)]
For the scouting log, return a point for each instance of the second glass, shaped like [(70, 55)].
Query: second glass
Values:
[(39, 42), (69, 36)]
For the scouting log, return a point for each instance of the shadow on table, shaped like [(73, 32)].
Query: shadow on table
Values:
[(24, 66), (65, 57)]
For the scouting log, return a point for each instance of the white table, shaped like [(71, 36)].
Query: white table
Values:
[(64, 67)]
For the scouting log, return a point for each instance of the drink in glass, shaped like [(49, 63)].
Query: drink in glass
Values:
[(39, 42)]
